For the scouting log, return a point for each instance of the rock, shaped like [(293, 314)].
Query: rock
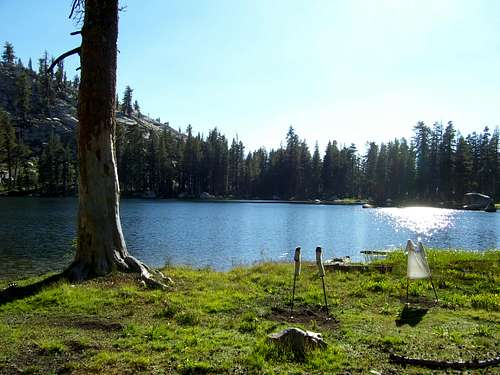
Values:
[(148, 194), (206, 195), (62, 117), (298, 341)]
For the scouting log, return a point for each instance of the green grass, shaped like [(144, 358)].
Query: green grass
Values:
[(215, 323)]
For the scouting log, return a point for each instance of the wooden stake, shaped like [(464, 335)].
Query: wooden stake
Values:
[(296, 258)]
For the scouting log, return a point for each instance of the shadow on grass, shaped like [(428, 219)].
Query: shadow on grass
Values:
[(411, 315), (14, 292)]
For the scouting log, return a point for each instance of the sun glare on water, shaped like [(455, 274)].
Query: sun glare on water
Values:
[(424, 221)]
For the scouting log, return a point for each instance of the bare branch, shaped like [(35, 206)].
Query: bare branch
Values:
[(76, 4), (77, 11), (76, 32), (63, 56)]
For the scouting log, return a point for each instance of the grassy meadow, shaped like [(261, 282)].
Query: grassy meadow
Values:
[(217, 322)]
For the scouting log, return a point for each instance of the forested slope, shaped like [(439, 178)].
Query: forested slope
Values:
[(38, 153)]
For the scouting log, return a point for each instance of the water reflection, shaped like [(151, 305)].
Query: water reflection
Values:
[(423, 221), (36, 234)]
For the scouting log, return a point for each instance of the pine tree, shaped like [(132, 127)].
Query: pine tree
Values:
[(474, 143), (408, 164), (327, 172), (423, 168), (352, 172), (494, 163), (51, 167), (446, 161), (59, 75), (315, 186), (127, 101), (236, 162), (304, 171), (434, 159), (381, 175), (137, 109), (369, 170), (44, 83), (8, 56), (23, 98), (8, 147), (292, 161), (462, 182)]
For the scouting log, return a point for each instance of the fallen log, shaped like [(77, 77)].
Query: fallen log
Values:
[(437, 364)]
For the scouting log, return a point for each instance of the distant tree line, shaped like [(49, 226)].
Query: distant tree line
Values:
[(437, 164)]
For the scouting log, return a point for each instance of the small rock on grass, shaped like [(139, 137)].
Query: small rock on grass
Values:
[(298, 341)]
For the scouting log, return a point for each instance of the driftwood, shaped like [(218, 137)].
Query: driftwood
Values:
[(436, 364), (348, 267)]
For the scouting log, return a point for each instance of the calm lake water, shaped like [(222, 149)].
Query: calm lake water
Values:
[(36, 233)]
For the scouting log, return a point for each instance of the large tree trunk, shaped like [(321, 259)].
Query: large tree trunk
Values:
[(101, 247)]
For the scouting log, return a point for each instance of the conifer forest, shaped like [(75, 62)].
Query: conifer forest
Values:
[(38, 153)]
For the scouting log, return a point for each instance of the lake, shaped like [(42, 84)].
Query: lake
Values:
[(36, 234)]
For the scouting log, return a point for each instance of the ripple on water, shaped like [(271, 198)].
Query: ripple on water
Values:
[(423, 221)]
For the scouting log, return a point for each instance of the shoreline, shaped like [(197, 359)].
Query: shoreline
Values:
[(337, 202), (219, 322), (371, 258)]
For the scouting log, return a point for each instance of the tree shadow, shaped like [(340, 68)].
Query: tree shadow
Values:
[(411, 315), (14, 292)]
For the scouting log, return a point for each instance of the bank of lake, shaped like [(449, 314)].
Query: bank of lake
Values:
[(217, 322)]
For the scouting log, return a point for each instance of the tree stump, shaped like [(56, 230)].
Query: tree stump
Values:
[(297, 341)]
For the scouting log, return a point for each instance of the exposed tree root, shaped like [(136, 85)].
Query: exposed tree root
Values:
[(435, 364), (14, 292), (146, 273), (81, 270)]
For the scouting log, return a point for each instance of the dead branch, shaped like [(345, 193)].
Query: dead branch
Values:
[(436, 364), (76, 4), (63, 56)]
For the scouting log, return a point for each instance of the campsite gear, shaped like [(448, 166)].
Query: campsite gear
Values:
[(321, 269), (417, 267), (296, 258)]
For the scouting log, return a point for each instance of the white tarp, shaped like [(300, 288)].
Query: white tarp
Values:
[(418, 268)]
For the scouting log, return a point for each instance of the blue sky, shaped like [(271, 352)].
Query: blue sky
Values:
[(353, 71)]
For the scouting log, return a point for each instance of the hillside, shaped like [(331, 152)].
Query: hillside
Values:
[(60, 115), (38, 125)]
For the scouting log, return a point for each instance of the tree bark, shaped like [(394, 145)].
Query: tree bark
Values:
[(101, 247)]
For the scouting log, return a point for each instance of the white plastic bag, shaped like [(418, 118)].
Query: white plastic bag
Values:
[(418, 268)]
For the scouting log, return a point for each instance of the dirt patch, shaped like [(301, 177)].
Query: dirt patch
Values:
[(113, 280), (308, 315), (86, 323), (101, 325), (31, 359), (419, 301)]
